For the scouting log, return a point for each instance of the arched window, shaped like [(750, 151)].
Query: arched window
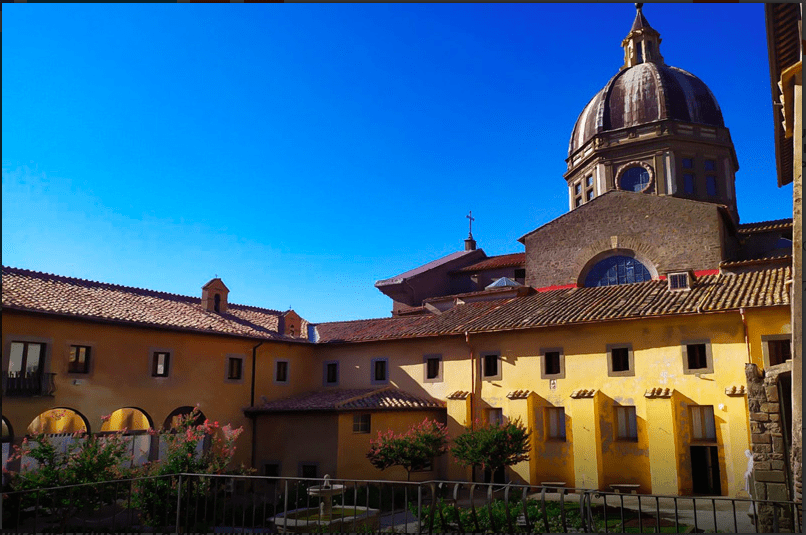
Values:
[(617, 270), (217, 303), (634, 179)]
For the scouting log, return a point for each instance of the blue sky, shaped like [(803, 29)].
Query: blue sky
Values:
[(303, 151)]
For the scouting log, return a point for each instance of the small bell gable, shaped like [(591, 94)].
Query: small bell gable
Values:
[(214, 296), (290, 324)]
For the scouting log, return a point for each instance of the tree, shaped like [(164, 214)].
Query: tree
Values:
[(493, 446), (413, 450)]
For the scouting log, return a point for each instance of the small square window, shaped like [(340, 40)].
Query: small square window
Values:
[(490, 365), (331, 373), (679, 281), (555, 423), (281, 371), (552, 359), (703, 427), (309, 470), (589, 181), (779, 351), (495, 416), (688, 163), (433, 368), (160, 363), (710, 185), (380, 371), (626, 423), (621, 359), (710, 165), (79, 359), (696, 356), (362, 423), (234, 368), (688, 183), (520, 274)]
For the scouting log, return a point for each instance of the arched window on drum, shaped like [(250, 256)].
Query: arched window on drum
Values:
[(615, 270)]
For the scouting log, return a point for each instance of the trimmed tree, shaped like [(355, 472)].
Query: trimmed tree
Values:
[(413, 450), (493, 447)]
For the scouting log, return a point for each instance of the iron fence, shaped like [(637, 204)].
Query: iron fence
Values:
[(194, 503)]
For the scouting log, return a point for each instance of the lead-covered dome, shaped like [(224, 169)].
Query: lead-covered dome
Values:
[(645, 93)]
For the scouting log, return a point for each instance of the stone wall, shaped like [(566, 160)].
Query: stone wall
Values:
[(771, 480)]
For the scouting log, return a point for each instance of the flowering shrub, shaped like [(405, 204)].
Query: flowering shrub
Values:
[(413, 450), (492, 447)]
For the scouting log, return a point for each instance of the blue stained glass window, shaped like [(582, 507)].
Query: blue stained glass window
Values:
[(617, 270), (635, 179)]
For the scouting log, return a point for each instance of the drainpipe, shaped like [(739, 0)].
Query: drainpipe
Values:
[(472, 379), (746, 335), (252, 416)]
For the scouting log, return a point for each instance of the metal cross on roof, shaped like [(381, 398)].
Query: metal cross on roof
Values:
[(471, 218)]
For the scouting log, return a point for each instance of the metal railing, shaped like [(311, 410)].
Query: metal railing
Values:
[(18, 384), (194, 503)]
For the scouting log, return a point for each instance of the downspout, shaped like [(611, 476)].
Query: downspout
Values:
[(746, 335), (253, 416), (472, 379)]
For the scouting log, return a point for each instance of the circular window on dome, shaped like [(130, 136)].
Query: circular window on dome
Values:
[(634, 179)]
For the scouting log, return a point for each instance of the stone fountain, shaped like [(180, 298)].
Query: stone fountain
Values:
[(326, 491)]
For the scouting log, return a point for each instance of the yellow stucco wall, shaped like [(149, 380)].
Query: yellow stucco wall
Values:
[(120, 372), (290, 439)]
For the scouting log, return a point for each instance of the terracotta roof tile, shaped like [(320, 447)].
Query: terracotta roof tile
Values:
[(388, 398), (709, 293), (765, 226), (583, 393), (496, 262), (736, 390), (459, 394), (42, 292), (659, 392), (775, 259), (519, 394)]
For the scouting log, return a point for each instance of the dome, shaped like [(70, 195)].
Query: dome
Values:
[(645, 93)]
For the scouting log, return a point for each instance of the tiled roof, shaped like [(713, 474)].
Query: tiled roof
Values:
[(388, 398), (709, 293), (583, 393), (495, 262), (765, 226), (519, 394), (736, 390), (42, 292), (659, 392), (459, 394), (776, 259), (426, 267)]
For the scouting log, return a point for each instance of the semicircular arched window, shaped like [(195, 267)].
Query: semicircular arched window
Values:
[(634, 179), (617, 270)]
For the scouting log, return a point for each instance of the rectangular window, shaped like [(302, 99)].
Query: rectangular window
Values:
[(520, 275), (433, 368), (589, 181), (621, 359), (490, 365), (26, 358), (703, 427), (79, 359), (779, 350), (271, 469), (578, 201), (710, 165), (688, 163), (626, 423), (555, 423), (331, 373), (160, 363), (578, 189), (309, 470), (281, 371), (234, 368), (710, 185), (362, 423), (696, 356), (688, 183), (380, 371), (495, 416), (552, 362), (678, 281)]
